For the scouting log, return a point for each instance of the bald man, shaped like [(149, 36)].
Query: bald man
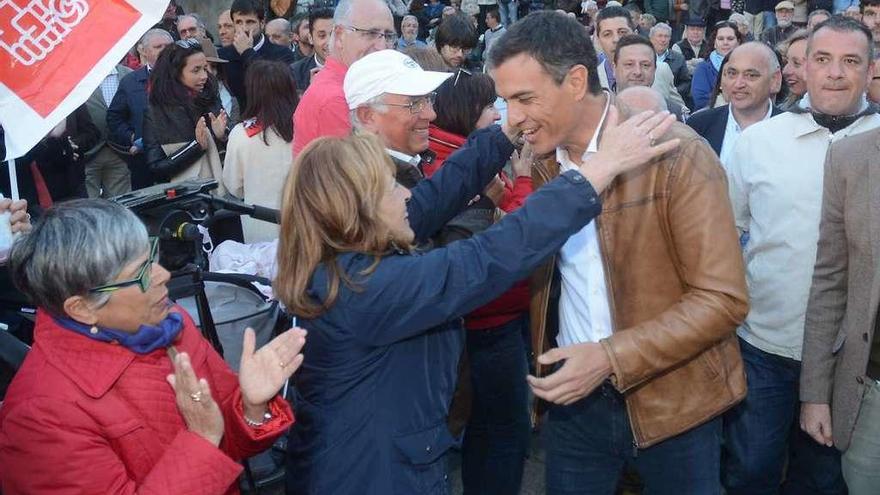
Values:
[(636, 99), (750, 81), (278, 31)]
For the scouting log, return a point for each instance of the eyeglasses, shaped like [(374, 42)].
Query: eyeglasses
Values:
[(373, 35), (416, 106), (458, 74), (143, 277)]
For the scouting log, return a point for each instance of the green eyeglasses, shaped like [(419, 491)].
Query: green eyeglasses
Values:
[(143, 277)]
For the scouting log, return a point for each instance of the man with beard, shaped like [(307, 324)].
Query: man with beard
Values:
[(783, 28), (775, 174)]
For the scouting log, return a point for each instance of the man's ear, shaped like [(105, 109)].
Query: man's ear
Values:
[(577, 81), (80, 310), (366, 116)]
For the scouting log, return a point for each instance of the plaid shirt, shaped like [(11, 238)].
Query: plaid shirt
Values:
[(109, 85)]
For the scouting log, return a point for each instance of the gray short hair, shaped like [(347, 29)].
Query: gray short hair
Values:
[(377, 103), (286, 26), (660, 26), (145, 39), (75, 246)]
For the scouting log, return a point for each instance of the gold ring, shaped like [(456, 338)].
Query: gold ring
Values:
[(196, 396)]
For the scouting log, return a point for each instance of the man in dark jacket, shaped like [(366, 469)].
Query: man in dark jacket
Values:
[(783, 28), (751, 78), (125, 115), (320, 26), (660, 36), (248, 45)]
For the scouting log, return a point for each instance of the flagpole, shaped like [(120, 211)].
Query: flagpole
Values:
[(13, 181)]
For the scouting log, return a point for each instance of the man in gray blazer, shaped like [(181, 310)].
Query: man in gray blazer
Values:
[(107, 174), (840, 393)]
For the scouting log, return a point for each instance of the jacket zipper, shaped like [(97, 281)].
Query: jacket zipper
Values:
[(609, 286)]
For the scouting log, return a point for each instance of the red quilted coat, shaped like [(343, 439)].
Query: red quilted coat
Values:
[(88, 417)]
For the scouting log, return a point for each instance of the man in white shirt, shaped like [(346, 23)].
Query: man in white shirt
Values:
[(776, 174), (649, 294)]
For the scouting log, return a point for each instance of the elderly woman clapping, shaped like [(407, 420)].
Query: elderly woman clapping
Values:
[(120, 393)]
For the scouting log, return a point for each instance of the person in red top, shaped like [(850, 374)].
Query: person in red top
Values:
[(120, 393), (497, 434), (360, 27)]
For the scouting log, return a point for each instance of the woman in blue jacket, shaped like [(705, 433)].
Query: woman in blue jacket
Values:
[(726, 37), (385, 332)]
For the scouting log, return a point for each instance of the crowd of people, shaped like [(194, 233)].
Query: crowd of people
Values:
[(663, 237)]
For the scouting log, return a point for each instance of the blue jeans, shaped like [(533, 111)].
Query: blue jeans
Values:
[(508, 12), (589, 443), (496, 439), (761, 430)]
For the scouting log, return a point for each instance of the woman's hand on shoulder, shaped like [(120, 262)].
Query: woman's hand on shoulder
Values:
[(262, 372)]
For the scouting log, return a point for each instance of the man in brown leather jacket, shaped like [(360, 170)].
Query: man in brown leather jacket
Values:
[(643, 302)]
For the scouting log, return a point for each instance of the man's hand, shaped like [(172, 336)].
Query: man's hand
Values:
[(19, 219), (816, 421), (586, 367), (242, 40)]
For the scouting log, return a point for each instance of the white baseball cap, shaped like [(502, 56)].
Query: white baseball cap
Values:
[(388, 71)]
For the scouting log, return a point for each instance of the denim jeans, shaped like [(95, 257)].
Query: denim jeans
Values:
[(861, 461), (763, 428), (590, 442), (508, 12), (496, 439)]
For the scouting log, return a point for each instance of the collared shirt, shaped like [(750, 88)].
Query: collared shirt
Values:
[(413, 160), (662, 56), (733, 131), (260, 43), (109, 85), (775, 177), (584, 312), (322, 111)]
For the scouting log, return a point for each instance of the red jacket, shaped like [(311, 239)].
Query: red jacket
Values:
[(515, 301), (83, 416)]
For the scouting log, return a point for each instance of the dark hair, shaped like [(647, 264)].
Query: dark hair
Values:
[(296, 21), (456, 30), (246, 7), (460, 101), (611, 13), (554, 40), (632, 40), (322, 13), (843, 24), (818, 12), (719, 26), (271, 97), (497, 15), (868, 3), (165, 88)]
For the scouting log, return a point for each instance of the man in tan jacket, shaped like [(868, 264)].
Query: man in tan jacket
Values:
[(841, 355), (641, 304)]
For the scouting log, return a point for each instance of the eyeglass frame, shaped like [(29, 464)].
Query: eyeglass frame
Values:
[(390, 37), (143, 278), (425, 100), (189, 44)]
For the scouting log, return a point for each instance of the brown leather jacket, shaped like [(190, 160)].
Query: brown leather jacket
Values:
[(677, 290)]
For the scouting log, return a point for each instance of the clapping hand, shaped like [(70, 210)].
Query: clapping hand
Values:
[(200, 412), (263, 372), (202, 133), (218, 124), (19, 219)]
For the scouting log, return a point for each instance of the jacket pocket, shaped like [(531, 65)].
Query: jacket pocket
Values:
[(421, 460)]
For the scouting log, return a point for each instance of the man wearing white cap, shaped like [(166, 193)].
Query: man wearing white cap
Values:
[(389, 95), (783, 28), (360, 27)]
